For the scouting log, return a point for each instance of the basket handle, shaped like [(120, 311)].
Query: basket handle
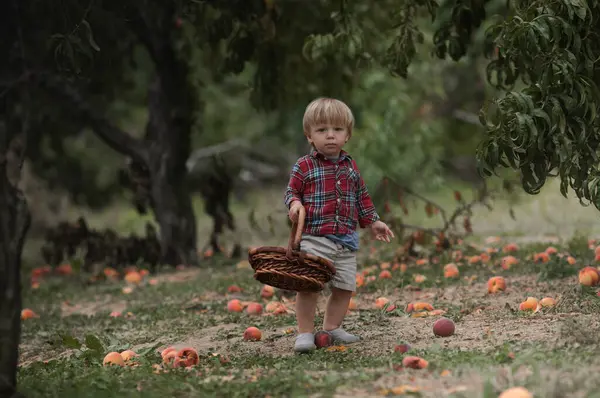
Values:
[(296, 233)]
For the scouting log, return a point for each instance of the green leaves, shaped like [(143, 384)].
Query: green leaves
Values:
[(549, 127)]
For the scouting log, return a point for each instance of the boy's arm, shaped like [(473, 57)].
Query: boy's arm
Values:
[(367, 214), (295, 186)]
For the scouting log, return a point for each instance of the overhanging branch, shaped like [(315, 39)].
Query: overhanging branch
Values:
[(113, 136)]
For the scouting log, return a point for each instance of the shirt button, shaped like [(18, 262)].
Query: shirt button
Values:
[(338, 200), (339, 182)]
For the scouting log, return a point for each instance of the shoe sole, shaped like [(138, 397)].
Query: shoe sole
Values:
[(305, 349)]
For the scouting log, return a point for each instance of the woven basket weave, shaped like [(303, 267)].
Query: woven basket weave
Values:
[(289, 268)]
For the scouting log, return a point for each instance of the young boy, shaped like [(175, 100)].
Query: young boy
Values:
[(329, 186)]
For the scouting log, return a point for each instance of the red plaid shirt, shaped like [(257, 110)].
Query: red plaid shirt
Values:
[(333, 193)]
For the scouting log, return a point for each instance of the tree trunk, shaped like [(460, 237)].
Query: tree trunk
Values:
[(14, 223), (168, 135)]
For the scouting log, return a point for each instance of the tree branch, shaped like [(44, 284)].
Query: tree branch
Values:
[(113, 136)]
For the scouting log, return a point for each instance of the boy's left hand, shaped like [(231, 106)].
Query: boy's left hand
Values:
[(381, 231)]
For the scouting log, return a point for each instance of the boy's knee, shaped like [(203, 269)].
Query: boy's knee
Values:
[(340, 291)]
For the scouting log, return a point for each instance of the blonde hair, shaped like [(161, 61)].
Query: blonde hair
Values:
[(327, 111)]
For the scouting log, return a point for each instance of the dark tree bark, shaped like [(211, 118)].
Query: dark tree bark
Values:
[(14, 223)]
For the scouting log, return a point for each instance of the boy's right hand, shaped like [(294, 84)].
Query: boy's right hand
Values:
[(294, 210)]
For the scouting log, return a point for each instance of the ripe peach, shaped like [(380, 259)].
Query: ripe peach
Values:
[(418, 306), (235, 305), (516, 392), (272, 306), (485, 257), (128, 356), (385, 274), (267, 291), (252, 334), (508, 261), (186, 357), (542, 257), (254, 309), (571, 260), (133, 277), (323, 339), (170, 357), (281, 309), (414, 362), (443, 327), (496, 284), (166, 351), (589, 276), (511, 247), (64, 269), (474, 259), (420, 278), (381, 302), (450, 270), (385, 265), (26, 313), (551, 250), (531, 304), (402, 348), (113, 358), (110, 273), (234, 289), (547, 302)]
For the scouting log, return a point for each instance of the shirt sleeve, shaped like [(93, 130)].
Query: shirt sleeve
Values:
[(295, 186), (367, 214)]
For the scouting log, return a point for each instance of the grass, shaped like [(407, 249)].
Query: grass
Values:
[(495, 345)]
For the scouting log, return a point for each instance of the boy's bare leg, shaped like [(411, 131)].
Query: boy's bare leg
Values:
[(306, 306), (335, 312)]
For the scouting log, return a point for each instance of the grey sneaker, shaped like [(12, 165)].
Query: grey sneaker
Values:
[(305, 342), (342, 336)]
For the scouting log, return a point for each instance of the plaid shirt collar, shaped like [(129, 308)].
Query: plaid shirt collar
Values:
[(343, 155)]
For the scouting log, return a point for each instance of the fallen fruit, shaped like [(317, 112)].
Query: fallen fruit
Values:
[(516, 392), (235, 305), (254, 309), (401, 348), (267, 291), (323, 339), (450, 271), (128, 356), (589, 276), (547, 302), (252, 334), (496, 284), (414, 362), (26, 313), (186, 357), (113, 358), (531, 304), (443, 327)]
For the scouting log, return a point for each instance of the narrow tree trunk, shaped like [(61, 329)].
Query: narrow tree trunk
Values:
[(14, 223)]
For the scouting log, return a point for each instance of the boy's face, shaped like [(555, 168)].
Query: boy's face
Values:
[(328, 139)]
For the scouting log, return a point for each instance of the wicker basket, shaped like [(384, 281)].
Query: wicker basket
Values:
[(289, 268)]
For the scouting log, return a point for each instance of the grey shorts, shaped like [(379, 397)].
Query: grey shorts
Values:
[(343, 259)]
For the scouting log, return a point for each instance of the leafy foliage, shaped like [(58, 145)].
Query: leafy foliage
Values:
[(549, 128)]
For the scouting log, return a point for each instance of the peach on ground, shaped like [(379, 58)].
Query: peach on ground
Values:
[(267, 291), (510, 248), (385, 274), (115, 314), (254, 309), (571, 260), (414, 362), (418, 306), (422, 261), (167, 350), (234, 289), (531, 304), (64, 269), (450, 270), (589, 276), (420, 278), (27, 313), (170, 357), (235, 305), (516, 392), (113, 358), (443, 327), (542, 257), (252, 334), (323, 339), (508, 261), (133, 277), (547, 302), (187, 357), (381, 302), (401, 348), (385, 265), (485, 257), (128, 355), (551, 250), (474, 259), (496, 284)]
